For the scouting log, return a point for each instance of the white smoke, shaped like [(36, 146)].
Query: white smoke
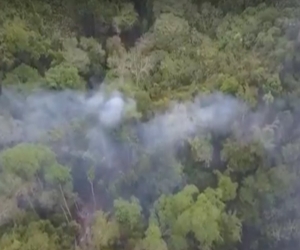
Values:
[(112, 111), (42, 111), (213, 113), (100, 141)]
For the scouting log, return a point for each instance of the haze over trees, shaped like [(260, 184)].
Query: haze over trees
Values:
[(189, 141)]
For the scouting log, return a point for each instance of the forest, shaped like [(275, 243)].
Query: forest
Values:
[(149, 124)]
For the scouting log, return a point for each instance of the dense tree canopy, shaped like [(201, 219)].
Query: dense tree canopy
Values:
[(232, 186)]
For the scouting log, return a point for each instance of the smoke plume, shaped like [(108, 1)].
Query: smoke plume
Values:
[(108, 138), (26, 118)]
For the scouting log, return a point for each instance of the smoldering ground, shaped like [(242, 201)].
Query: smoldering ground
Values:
[(105, 136)]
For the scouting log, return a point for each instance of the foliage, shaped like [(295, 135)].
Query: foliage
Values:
[(63, 76), (237, 189)]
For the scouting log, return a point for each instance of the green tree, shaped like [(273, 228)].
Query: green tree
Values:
[(63, 76), (104, 232), (128, 214), (21, 168), (152, 240), (202, 214), (59, 177)]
